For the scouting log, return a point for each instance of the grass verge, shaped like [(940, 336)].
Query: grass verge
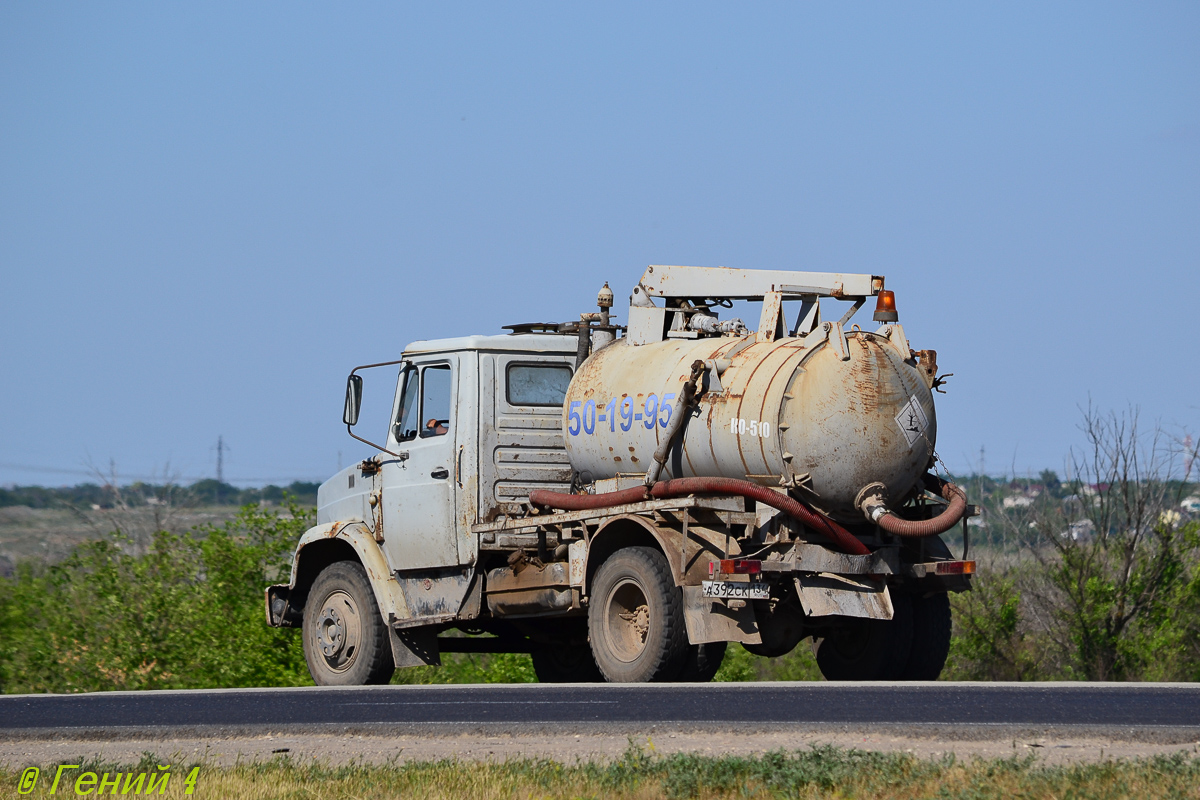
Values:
[(820, 772)]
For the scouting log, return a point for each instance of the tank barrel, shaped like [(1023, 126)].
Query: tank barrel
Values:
[(825, 408)]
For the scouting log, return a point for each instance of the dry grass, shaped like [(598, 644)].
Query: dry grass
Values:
[(49, 534), (822, 772)]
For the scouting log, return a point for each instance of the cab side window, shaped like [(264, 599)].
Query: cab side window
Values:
[(435, 400), (537, 384)]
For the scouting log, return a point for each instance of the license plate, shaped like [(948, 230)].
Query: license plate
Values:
[(729, 590)]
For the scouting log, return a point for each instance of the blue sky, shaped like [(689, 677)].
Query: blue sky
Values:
[(209, 213)]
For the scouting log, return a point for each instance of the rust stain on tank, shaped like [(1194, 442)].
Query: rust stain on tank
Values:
[(865, 374)]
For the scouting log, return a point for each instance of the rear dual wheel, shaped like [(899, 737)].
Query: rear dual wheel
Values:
[(567, 657), (571, 662), (702, 663), (912, 646), (931, 637), (566, 663)]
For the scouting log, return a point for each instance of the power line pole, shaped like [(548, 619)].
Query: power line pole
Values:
[(221, 469)]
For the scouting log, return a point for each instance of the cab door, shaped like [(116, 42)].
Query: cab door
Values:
[(418, 489)]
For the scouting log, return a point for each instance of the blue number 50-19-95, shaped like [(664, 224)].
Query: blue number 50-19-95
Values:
[(651, 410), (664, 407), (573, 418), (582, 416)]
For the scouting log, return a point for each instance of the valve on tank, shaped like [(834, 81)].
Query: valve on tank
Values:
[(596, 330)]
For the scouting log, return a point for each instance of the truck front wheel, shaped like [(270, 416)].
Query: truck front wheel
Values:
[(635, 618), (345, 637)]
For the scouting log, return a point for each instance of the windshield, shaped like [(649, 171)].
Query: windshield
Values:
[(406, 424)]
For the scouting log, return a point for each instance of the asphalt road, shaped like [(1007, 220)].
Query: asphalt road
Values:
[(593, 707)]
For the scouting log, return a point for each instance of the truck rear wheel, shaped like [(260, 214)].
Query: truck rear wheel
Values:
[(566, 663), (930, 638), (635, 618), (702, 663), (345, 637), (869, 649)]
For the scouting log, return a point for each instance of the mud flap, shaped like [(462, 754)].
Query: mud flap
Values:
[(414, 647), (825, 594), (709, 620)]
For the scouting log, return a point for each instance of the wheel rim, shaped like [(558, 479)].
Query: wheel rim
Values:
[(627, 620), (339, 631)]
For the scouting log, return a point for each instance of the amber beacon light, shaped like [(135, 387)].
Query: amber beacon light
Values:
[(885, 307)]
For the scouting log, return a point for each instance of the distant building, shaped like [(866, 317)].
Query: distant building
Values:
[(1082, 531), (1018, 501)]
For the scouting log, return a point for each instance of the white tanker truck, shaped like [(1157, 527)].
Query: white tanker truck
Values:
[(623, 501)]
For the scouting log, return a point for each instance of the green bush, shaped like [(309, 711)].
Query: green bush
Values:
[(187, 613), (472, 668)]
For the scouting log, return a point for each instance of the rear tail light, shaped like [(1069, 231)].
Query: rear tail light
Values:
[(955, 568), (740, 566)]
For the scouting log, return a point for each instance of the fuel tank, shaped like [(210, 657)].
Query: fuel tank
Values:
[(829, 414)]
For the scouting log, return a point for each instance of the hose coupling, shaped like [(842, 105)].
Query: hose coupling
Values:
[(872, 501)]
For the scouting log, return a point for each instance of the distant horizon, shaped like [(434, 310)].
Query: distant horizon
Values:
[(284, 483)]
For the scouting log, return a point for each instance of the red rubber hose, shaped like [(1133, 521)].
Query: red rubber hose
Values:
[(587, 502), (951, 515), (823, 525), (685, 486)]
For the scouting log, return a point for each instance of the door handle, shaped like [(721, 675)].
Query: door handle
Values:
[(441, 473)]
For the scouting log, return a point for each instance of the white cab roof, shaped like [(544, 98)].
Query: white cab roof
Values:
[(519, 342)]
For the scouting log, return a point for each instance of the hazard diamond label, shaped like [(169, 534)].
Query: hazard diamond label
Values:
[(912, 421)]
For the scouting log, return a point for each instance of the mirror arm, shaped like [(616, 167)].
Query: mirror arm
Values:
[(348, 427), (377, 447)]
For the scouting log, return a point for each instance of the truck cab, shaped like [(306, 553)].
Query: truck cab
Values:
[(476, 424)]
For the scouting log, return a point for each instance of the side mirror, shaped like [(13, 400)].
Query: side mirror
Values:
[(353, 400)]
